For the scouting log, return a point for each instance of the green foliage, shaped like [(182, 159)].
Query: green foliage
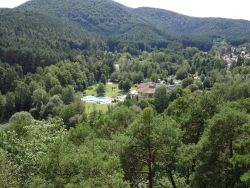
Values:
[(241, 158), (160, 99), (196, 137), (19, 121), (238, 89), (2, 105), (7, 178), (224, 130), (68, 94), (106, 18), (79, 134), (149, 156), (51, 108), (200, 139), (10, 107), (71, 113), (207, 83), (32, 39), (181, 74), (8, 75), (142, 28), (22, 93), (187, 82), (100, 90), (116, 121), (125, 85), (193, 87), (25, 150), (93, 15), (197, 32)]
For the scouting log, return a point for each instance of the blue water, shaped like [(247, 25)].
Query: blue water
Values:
[(96, 99)]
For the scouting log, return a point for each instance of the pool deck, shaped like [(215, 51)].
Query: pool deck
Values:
[(103, 100), (97, 100)]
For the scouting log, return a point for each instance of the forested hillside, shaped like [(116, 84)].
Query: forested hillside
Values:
[(102, 16), (120, 23), (234, 31), (32, 39)]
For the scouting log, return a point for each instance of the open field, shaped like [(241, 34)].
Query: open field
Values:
[(90, 107), (111, 90)]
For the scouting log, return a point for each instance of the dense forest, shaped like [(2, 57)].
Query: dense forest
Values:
[(195, 135), (192, 132), (113, 20), (32, 39), (197, 30)]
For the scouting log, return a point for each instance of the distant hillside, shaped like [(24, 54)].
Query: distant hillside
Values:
[(104, 17), (196, 28), (32, 39), (115, 21)]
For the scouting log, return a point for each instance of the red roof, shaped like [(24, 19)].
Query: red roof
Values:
[(147, 88)]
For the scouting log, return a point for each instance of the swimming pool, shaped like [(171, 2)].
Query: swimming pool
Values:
[(93, 99)]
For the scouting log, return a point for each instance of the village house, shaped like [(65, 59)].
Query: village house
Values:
[(232, 57), (147, 89), (229, 59)]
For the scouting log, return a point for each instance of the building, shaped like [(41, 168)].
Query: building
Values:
[(230, 60), (171, 86), (147, 89)]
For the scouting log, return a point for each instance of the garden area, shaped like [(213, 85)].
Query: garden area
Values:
[(90, 107), (111, 90)]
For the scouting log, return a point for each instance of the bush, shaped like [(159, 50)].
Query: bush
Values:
[(187, 81), (100, 90)]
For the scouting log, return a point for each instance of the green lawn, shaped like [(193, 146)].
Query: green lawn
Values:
[(133, 88), (111, 90), (90, 107)]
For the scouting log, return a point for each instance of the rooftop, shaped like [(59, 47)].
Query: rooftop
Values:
[(147, 88)]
